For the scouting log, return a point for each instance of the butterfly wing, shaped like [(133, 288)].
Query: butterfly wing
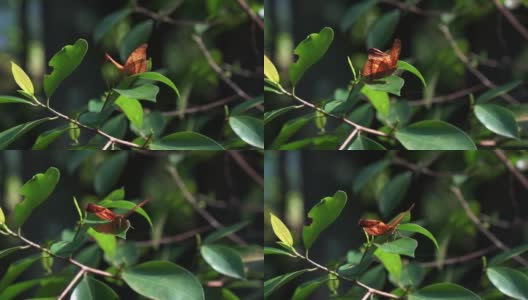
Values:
[(137, 61), (395, 52), (399, 218), (101, 212)]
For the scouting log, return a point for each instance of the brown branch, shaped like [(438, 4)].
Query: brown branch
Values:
[(511, 18), (256, 19), (194, 203), (243, 164), (459, 259), (202, 108), (349, 139), (342, 119), (414, 9), (173, 239), (420, 169), (494, 239), (164, 18), (518, 175), (446, 98), (71, 284), (212, 63), (465, 60)]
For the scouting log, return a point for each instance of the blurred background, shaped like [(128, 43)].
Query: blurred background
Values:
[(297, 180), (32, 31), (481, 31), (219, 184)]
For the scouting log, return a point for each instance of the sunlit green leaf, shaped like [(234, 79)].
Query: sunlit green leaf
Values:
[(22, 79)]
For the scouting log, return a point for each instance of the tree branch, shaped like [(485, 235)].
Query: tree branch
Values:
[(520, 177), (256, 19), (348, 139), (511, 18), (243, 164)]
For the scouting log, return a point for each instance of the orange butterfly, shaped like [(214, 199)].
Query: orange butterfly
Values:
[(136, 63), (117, 223), (376, 227), (380, 64)]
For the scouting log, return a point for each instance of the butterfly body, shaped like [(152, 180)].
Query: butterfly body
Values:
[(117, 222), (380, 64), (376, 227), (136, 63)]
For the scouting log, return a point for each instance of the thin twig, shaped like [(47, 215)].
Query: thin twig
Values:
[(212, 63), (256, 19), (165, 18), (511, 18), (414, 9), (108, 145), (202, 108), (175, 238), (342, 119), (420, 169), (243, 164), (464, 59), (494, 239), (71, 284), (96, 130), (202, 212), (520, 177), (446, 98), (348, 139), (354, 281), (459, 259), (367, 295)]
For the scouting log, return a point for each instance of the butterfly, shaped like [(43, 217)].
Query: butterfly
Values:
[(117, 222), (380, 64), (136, 63), (376, 227)]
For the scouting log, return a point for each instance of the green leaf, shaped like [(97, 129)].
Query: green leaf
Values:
[(10, 135), (270, 71), (434, 135), (223, 232), (132, 109), (381, 32), (273, 284), (379, 99), (22, 79), (185, 140), (403, 246), (393, 192), (48, 137), (138, 35), (15, 269), (12, 291), (281, 231), (310, 51), (64, 63), (402, 65), (498, 91), (443, 291), (35, 192), (323, 214), (249, 129), (163, 280), (246, 105), (154, 124), (367, 173), (391, 261), (2, 216), (6, 252), (362, 142), (497, 119), (506, 255), (391, 84), (107, 242), (307, 288), (11, 99), (108, 172), (271, 115), (411, 227), (224, 260), (155, 76), (290, 128), (276, 251), (108, 22), (115, 127), (92, 289), (143, 92), (509, 281), (354, 12)]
